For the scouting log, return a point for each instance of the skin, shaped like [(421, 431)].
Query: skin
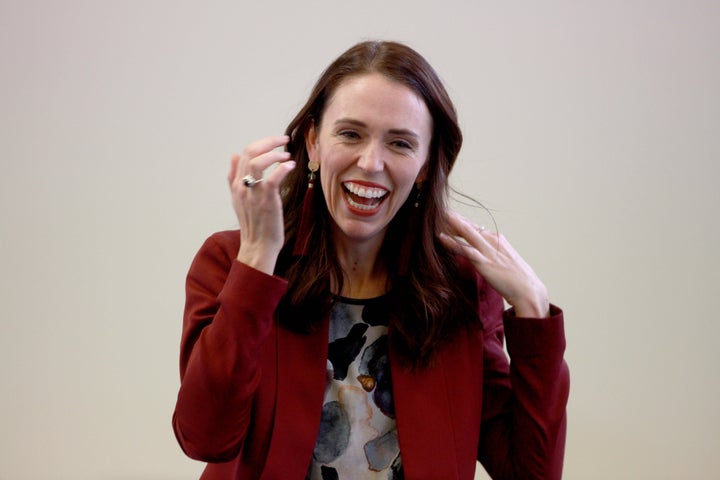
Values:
[(499, 263), (375, 134)]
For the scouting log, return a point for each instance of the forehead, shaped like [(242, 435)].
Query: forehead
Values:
[(374, 98)]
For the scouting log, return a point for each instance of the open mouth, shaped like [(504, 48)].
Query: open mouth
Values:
[(364, 198)]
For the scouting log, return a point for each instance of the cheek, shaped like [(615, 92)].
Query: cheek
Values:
[(332, 164), (329, 186), (405, 192), (410, 175)]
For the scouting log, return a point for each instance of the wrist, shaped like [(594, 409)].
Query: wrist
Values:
[(538, 310), (258, 258), (535, 305)]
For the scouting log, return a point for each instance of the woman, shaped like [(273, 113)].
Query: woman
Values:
[(353, 327)]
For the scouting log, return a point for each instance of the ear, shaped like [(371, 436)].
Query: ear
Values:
[(311, 143), (422, 174)]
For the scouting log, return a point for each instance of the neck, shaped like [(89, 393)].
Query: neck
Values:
[(365, 275)]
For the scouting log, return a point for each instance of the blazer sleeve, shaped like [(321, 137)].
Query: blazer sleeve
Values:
[(524, 399), (228, 316)]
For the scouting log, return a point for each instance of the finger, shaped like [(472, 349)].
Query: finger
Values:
[(462, 227), (253, 150), (257, 165), (460, 224), (233, 168), (264, 145), (485, 241), (463, 248), (450, 242), (278, 174)]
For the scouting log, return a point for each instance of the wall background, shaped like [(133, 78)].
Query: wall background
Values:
[(593, 133)]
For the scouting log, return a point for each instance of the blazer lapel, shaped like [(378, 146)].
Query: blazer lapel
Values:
[(424, 422), (301, 367)]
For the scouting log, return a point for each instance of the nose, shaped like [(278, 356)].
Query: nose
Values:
[(371, 158)]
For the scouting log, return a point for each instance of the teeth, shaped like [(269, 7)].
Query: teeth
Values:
[(365, 192), (361, 206)]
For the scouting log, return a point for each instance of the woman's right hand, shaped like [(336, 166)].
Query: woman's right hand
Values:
[(259, 207)]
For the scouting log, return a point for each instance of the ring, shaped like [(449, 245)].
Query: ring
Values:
[(250, 181), (481, 228)]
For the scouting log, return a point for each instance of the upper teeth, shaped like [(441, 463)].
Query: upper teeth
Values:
[(365, 192)]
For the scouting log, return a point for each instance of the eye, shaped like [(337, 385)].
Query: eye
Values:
[(402, 144), (349, 134)]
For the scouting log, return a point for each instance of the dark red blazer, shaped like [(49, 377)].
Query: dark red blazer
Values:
[(251, 391)]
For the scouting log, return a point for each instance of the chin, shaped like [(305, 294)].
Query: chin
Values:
[(362, 232)]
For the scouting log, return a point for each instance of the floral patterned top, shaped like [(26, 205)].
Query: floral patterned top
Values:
[(358, 435)]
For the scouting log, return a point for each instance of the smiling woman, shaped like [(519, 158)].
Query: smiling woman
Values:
[(353, 327)]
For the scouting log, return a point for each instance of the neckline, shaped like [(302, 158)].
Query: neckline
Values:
[(358, 301)]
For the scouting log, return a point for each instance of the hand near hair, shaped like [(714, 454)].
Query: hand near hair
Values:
[(500, 265), (259, 207)]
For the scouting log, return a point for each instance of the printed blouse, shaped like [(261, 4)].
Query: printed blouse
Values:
[(358, 434)]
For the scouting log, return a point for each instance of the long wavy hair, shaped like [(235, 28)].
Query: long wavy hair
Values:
[(425, 302)]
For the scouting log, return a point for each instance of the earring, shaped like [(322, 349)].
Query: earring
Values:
[(411, 233), (303, 232)]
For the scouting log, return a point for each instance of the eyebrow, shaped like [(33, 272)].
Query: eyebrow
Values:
[(394, 131)]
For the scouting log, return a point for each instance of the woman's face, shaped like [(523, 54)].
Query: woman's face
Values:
[(372, 145)]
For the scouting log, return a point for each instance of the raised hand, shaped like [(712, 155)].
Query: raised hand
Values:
[(499, 263), (258, 205)]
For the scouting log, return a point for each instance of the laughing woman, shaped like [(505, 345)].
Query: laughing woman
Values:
[(353, 327)]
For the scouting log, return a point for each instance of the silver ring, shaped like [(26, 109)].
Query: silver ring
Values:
[(481, 228), (250, 181)]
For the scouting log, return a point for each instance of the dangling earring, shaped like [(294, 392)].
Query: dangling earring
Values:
[(418, 195), (303, 233), (410, 240)]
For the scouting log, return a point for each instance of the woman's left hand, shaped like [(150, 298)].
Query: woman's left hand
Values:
[(500, 265)]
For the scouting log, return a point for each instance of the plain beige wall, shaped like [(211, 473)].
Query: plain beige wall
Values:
[(593, 133)]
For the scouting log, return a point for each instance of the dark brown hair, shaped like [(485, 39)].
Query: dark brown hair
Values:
[(425, 301)]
